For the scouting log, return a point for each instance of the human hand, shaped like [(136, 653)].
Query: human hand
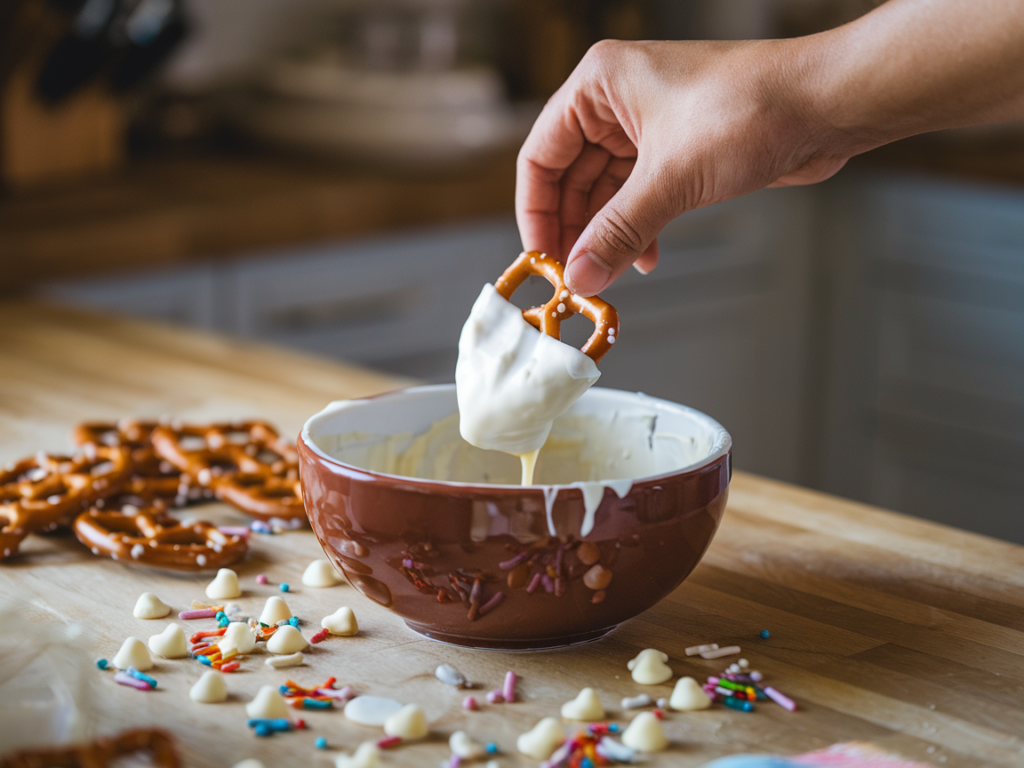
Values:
[(642, 132)]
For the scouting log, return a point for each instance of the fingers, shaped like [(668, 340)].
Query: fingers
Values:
[(553, 145), (576, 194), (619, 234)]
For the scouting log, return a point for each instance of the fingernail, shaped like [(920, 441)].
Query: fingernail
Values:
[(640, 269), (586, 274)]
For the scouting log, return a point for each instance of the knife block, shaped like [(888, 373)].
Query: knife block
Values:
[(40, 143)]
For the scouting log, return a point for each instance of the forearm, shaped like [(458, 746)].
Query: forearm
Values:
[(912, 66)]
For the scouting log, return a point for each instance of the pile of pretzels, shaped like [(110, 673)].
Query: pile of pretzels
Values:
[(117, 489)]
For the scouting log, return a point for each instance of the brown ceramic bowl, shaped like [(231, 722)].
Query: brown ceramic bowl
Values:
[(491, 565)]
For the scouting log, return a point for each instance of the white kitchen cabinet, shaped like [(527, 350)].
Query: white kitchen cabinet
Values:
[(925, 376)]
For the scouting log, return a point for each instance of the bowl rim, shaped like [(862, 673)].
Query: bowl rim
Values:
[(722, 445)]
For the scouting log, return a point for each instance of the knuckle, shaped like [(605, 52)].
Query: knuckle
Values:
[(620, 234)]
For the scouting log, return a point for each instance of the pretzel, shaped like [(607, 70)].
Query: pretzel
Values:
[(155, 538), (103, 753), (548, 318), (46, 491), (153, 481), (247, 464)]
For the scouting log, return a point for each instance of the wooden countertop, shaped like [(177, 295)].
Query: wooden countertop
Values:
[(885, 629), (163, 211)]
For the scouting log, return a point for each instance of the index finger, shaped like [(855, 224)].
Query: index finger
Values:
[(555, 141)]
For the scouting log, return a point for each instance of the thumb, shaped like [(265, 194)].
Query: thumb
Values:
[(618, 235)]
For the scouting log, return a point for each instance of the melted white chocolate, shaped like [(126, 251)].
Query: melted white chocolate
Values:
[(513, 381), (585, 450)]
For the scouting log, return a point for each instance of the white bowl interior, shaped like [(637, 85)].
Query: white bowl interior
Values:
[(607, 435)]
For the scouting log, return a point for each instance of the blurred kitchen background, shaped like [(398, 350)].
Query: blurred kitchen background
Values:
[(337, 176)]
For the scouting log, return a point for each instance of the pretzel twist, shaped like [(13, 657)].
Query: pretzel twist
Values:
[(103, 753), (153, 480), (246, 464), (153, 537), (548, 317), (45, 491)]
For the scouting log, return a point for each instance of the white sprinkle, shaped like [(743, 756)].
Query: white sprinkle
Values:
[(204, 476), (55, 499), (95, 550), (554, 314), (611, 339), (730, 650), (129, 509), (137, 551), (561, 307), (635, 702), (563, 295), (201, 560), (113, 555), (533, 260)]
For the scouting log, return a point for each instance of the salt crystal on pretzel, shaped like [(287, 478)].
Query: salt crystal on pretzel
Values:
[(514, 377)]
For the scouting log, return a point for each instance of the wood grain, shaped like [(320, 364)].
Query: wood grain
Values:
[(884, 628)]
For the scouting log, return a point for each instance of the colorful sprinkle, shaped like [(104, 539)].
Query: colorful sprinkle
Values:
[(780, 698), (141, 676), (389, 742), (765, 634), (284, 587), (101, 663), (125, 679), (321, 743), (320, 636), (261, 578), (495, 697), (202, 613), (470, 703), (492, 748), (508, 690)]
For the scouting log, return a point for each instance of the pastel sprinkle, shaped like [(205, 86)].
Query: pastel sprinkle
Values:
[(125, 679), (202, 613), (508, 691), (470, 703), (491, 748), (101, 663), (261, 578), (284, 587), (321, 743), (780, 698), (495, 697), (141, 676)]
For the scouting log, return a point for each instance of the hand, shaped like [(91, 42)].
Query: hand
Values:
[(642, 132)]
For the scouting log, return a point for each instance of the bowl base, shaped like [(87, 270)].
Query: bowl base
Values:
[(492, 644)]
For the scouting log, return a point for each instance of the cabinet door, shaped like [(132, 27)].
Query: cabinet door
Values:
[(926, 410), (185, 296)]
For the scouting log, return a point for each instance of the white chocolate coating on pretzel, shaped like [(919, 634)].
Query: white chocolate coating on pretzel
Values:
[(512, 380)]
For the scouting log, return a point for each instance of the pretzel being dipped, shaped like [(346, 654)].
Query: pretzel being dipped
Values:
[(152, 537), (548, 317), (246, 464), (103, 753), (45, 492)]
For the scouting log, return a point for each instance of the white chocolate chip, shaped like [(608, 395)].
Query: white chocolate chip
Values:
[(149, 606), (209, 689)]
